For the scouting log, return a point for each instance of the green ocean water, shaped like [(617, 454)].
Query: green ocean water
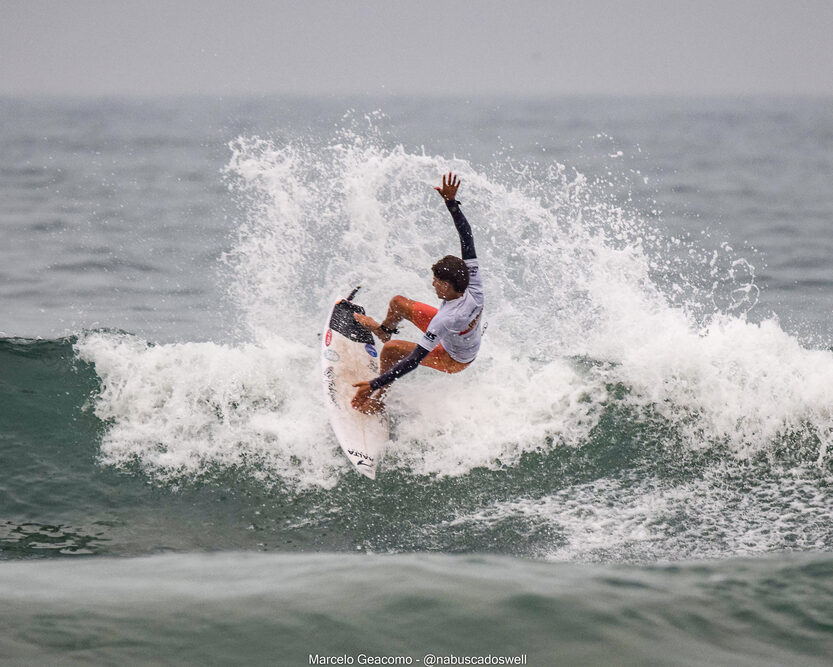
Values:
[(266, 609)]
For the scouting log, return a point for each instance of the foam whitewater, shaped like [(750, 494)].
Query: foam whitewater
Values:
[(627, 404)]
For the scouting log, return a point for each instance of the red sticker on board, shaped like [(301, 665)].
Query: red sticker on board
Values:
[(328, 338)]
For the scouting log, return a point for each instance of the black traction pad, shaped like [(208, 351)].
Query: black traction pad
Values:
[(342, 321)]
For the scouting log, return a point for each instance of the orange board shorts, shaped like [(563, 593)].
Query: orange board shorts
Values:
[(421, 315)]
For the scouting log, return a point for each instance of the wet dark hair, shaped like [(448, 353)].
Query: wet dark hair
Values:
[(452, 270)]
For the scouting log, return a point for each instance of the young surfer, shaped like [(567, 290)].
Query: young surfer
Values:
[(451, 334)]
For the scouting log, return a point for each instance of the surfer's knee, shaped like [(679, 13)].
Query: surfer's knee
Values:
[(393, 351), (400, 303), (395, 347)]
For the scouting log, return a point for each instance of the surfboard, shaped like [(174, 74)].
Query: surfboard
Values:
[(349, 355)]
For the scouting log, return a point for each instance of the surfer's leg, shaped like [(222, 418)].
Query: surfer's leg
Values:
[(372, 326), (439, 359), (392, 352), (403, 308), (400, 308)]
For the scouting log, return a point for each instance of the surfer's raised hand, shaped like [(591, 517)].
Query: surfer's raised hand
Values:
[(449, 188)]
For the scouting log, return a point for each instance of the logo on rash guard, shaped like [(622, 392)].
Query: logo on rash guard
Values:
[(472, 324), (328, 338), (430, 336)]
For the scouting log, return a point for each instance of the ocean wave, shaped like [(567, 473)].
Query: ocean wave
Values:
[(285, 609)]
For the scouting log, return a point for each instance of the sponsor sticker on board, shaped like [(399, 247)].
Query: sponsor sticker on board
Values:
[(328, 338), (371, 350)]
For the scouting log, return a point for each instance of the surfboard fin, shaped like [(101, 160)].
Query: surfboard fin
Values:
[(353, 293)]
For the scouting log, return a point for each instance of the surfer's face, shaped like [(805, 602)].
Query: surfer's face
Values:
[(444, 290)]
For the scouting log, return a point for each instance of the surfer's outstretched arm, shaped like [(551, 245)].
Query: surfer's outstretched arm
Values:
[(399, 369), (449, 192)]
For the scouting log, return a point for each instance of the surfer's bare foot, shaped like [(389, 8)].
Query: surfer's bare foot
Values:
[(372, 326)]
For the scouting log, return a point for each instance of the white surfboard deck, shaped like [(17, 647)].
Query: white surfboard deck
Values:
[(349, 355)]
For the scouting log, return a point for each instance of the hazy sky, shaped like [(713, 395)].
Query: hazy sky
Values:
[(416, 46)]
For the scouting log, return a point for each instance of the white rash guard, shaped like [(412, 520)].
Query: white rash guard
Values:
[(457, 324)]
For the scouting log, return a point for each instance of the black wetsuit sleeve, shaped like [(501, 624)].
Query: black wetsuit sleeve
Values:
[(463, 229), (406, 365)]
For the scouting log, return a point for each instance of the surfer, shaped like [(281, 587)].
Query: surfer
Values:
[(451, 333)]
